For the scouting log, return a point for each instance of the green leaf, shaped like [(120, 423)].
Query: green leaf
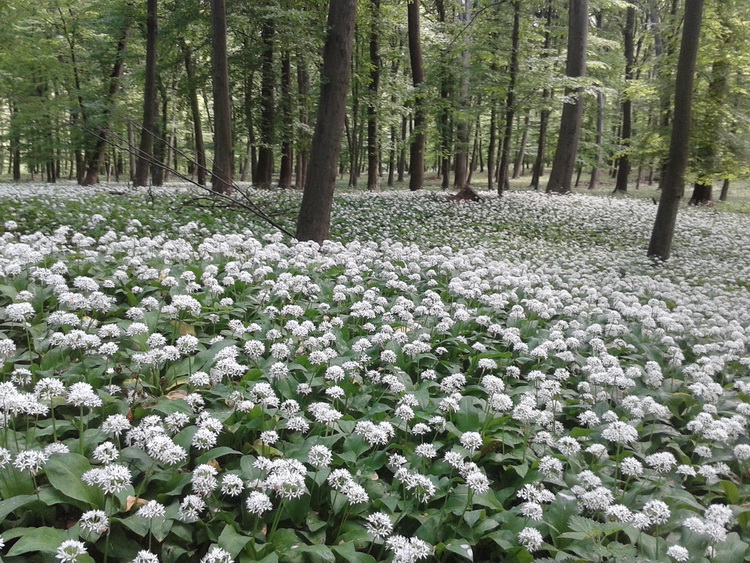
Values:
[(9, 506), (732, 492), (216, 453), (46, 540), (347, 552), (461, 549), (64, 472), (232, 541)]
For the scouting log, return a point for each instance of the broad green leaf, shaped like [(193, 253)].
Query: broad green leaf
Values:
[(232, 541), (39, 539), (64, 472)]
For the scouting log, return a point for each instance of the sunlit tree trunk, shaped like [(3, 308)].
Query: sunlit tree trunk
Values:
[(623, 165)]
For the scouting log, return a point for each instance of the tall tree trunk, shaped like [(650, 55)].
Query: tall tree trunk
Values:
[(416, 160), (267, 104), (131, 154), (315, 211), (462, 125), (521, 156), (673, 181), (160, 142), (596, 171), (538, 169), (251, 156), (221, 173), (95, 157), (510, 102), (623, 168), (150, 104), (491, 149), (195, 113), (373, 147), (564, 163), (303, 88), (285, 173)]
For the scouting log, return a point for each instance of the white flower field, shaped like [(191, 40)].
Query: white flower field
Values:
[(509, 380)]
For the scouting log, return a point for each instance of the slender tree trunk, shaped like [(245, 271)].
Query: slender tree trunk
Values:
[(724, 190), (538, 169), (221, 174), (195, 113), (150, 104), (160, 143), (564, 162), (267, 107), (95, 158), (373, 147), (521, 156), (285, 174), (315, 211), (510, 102), (416, 160), (303, 87), (131, 154), (474, 152), (623, 169), (491, 149), (462, 125), (673, 181), (596, 170)]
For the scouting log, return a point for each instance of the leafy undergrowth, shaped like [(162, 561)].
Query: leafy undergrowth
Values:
[(504, 381)]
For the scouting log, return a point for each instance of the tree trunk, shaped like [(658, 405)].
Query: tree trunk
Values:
[(538, 168), (564, 162), (95, 157), (510, 102), (416, 160), (303, 87), (267, 109), (285, 173), (491, 149), (460, 172), (673, 180), (595, 171), (623, 169), (521, 156), (724, 190), (150, 104), (160, 142), (221, 174), (195, 112), (315, 211), (373, 148), (702, 192)]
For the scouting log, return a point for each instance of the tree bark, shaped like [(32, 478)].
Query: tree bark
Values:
[(286, 169), (303, 151), (564, 162), (195, 113), (150, 104), (315, 211), (510, 102), (724, 190), (673, 180), (267, 109), (596, 171), (461, 165), (95, 157), (491, 149), (373, 147), (521, 156), (416, 160), (623, 168), (221, 174), (538, 169)]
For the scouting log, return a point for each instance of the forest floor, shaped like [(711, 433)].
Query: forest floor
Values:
[(510, 380)]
